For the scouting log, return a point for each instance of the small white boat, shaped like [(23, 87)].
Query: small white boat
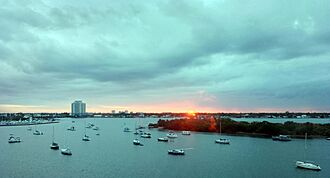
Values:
[(172, 135), (86, 138), (308, 165), (162, 139), (137, 142), (71, 128), (176, 152), (29, 129), (37, 132), (97, 134), (328, 138), (54, 146), (96, 128), (222, 141), (66, 151), (13, 139), (146, 135), (185, 132)]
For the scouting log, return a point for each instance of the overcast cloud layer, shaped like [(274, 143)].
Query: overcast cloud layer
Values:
[(165, 55)]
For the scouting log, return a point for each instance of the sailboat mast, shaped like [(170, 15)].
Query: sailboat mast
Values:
[(220, 126), (53, 133)]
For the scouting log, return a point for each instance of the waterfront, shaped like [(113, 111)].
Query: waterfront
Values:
[(112, 154), (283, 120)]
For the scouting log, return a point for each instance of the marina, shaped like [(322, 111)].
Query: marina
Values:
[(113, 142)]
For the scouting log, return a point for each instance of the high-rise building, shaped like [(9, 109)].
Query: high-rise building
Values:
[(78, 108)]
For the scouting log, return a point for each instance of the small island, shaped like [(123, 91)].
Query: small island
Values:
[(259, 129)]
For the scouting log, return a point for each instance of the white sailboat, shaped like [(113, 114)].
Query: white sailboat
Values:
[(222, 140), (307, 164), (66, 150), (54, 145), (86, 137)]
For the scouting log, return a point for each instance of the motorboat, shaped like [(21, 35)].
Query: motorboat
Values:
[(281, 138), (13, 139), (308, 165), (54, 146), (37, 132), (29, 129), (71, 128), (185, 132), (172, 135), (176, 152), (328, 138), (86, 138), (137, 142), (162, 139), (126, 129), (97, 134), (146, 135), (66, 151), (222, 141)]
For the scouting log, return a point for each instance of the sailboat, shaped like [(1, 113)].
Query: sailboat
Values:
[(222, 140), (86, 137), (66, 150), (307, 164), (54, 145)]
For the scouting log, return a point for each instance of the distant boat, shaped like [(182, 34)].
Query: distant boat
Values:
[(85, 137), (89, 125), (126, 129), (71, 128), (146, 135), (328, 138), (37, 132), (137, 142), (176, 152), (29, 129), (281, 138), (162, 139), (172, 135), (66, 151), (307, 164), (185, 132), (96, 128), (97, 134), (54, 145), (222, 140), (13, 139)]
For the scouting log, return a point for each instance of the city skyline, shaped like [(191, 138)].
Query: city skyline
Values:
[(168, 56)]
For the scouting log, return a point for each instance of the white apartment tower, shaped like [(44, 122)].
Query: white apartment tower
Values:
[(78, 108)]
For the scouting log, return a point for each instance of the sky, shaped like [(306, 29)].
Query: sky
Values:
[(165, 55)]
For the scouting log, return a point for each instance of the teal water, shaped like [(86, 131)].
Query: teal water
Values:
[(112, 154), (282, 120)]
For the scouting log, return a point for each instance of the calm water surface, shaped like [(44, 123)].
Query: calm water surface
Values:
[(112, 154), (282, 120)]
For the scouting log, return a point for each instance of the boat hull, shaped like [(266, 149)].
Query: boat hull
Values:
[(309, 166)]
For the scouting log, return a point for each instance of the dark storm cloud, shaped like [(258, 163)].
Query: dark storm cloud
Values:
[(257, 50)]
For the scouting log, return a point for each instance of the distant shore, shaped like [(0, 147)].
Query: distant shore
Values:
[(26, 124), (254, 129)]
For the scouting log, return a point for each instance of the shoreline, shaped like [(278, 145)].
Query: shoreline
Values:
[(29, 124), (245, 134)]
